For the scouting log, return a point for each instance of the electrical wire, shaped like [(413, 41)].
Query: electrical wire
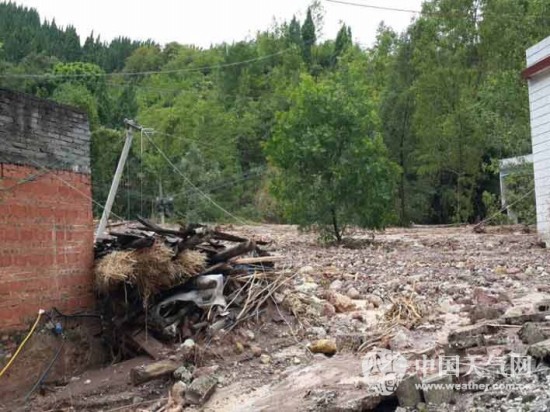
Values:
[(144, 73), (33, 328), (73, 187), (204, 195), (370, 6)]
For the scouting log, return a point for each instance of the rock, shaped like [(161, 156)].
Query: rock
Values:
[(513, 311), (340, 302), (470, 336), (336, 285), (318, 331), (201, 389), (530, 333), (256, 351), (307, 287), (484, 311), (422, 407), (375, 300), (324, 346), (540, 350), (438, 395), (527, 398), (400, 340), (187, 348), (328, 310), (529, 317), (353, 293), (296, 361), (183, 374), (306, 270), (542, 306), (177, 393), (358, 316), (447, 305), (188, 343), (408, 393), (137, 400), (249, 334), (265, 359), (205, 370)]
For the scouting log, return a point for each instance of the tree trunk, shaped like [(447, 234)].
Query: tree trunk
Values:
[(337, 233)]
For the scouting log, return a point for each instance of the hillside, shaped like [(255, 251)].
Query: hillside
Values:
[(445, 97)]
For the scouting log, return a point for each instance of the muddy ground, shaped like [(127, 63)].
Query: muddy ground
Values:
[(454, 275)]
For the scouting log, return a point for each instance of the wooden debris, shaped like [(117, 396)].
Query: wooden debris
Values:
[(149, 344), (256, 260), (406, 311), (146, 373)]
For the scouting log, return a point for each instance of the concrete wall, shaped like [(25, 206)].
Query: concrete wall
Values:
[(46, 227)]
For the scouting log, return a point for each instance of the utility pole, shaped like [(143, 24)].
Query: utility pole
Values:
[(161, 201), (130, 126)]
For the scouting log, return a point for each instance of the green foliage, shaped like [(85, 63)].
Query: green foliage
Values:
[(333, 170), (78, 96), (492, 205), (520, 194), (443, 100), (308, 37)]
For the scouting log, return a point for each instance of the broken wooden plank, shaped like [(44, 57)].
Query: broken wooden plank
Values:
[(257, 259), (221, 267), (229, 253), (228, 237), (149, 344), (146, 373)]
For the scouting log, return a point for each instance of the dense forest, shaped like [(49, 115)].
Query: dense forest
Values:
[(288, 127)]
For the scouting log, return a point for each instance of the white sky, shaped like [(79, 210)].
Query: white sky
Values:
[(203, 22)]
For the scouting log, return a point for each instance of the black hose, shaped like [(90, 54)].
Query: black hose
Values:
[(76, 315), (46, 371)]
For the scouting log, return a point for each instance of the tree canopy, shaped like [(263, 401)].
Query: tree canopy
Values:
[(407, 130)]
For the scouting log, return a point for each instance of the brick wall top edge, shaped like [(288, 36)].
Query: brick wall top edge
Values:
[(39, 132), (16, 95)]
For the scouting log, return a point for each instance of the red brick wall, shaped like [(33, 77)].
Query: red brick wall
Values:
[(46, 243)]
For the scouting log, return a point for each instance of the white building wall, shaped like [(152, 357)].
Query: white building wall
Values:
[(539, 103)]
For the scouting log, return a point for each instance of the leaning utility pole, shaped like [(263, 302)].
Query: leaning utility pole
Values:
[(130, 125)]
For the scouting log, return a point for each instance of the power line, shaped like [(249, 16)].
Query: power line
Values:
[(431, 13), (144, 73), (371, 6), (178, 171), (46, 170)]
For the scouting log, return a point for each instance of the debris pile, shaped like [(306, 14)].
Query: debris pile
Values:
[(178, 283)]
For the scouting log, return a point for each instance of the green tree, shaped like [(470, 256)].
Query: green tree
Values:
[(309, 37), (79, 96), (333, 170)]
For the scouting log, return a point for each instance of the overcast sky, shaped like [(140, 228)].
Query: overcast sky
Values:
[(203, 22)]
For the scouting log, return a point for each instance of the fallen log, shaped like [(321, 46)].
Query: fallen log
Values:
[(240, 249), (146, 373)]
